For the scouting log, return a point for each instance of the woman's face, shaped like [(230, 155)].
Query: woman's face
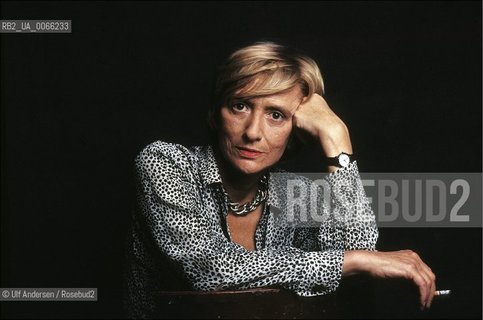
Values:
[(254, 133)]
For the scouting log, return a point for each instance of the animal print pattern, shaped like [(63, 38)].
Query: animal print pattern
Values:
[(179, 238)]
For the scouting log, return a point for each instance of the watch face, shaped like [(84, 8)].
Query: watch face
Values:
[(344, 160)]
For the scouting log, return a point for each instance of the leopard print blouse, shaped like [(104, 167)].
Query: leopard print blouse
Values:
[(179, 238)]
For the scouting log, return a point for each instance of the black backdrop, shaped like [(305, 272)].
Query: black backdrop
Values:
[(76, 109)]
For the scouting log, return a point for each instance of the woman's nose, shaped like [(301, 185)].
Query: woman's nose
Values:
[(253, 128)]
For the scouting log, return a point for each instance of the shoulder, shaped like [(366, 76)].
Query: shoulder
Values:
[(169, 170), (166, 154), (160, 149), (164, 160)]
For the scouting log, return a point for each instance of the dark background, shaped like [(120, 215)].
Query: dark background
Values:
[(77, 108)]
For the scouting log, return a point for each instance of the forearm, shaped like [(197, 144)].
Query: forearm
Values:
[(306, 273), (336, 142), (315, 117), (350, 223)]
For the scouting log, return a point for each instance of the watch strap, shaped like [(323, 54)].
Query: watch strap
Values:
[(335, 161)]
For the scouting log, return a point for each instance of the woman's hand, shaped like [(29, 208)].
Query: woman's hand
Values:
[(315, 117), (394, 264)]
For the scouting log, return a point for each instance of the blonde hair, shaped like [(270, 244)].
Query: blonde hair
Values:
[(261, 69)]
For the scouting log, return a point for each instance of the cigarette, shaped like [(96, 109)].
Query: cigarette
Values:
[(442, 292)]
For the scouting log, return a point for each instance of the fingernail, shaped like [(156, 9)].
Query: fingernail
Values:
[(425, 305)]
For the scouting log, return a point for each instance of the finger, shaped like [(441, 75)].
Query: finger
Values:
[(433, 290), (424, 283), (429, 288), (430, 278), (421, 283), (427, 276), (428, 283)]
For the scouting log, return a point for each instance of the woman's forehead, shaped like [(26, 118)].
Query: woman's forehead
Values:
[(267, 83), (290, 94)]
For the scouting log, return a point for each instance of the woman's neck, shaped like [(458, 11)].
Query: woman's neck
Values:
[(240, 187)]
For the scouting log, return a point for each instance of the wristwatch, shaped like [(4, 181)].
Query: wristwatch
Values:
[(341, 161)]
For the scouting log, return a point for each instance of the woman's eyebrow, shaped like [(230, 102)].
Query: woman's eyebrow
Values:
[(278, 108), (242, 99)]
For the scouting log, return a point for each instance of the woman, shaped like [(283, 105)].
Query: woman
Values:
[(207, 217)]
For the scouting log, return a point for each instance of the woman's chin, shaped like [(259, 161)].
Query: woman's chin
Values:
[(249, 167)]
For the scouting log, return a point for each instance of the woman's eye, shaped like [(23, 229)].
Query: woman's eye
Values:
[(277, 116), (239, 106)]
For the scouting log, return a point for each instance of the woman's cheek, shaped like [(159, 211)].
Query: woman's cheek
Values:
[(281, 137)]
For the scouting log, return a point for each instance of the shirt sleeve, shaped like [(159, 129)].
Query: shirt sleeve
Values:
[(350, 221), (179, 226)]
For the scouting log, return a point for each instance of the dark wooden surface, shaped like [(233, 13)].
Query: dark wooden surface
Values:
[(246, 304), (356, 298)]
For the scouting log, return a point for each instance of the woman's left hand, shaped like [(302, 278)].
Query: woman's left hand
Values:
[(315, 117)]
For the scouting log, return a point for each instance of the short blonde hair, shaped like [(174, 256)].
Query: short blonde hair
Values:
[(262, 69)]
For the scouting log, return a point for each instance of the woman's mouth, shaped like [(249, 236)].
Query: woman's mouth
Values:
[(249, 153)]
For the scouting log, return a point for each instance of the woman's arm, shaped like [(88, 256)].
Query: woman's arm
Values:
[(315, 117), (351, 224)]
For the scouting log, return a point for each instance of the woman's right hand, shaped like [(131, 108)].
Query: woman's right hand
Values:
[(393, 264)]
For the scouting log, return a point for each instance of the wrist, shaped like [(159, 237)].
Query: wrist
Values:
[(355, 262), (335, 141), (342, 160)]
